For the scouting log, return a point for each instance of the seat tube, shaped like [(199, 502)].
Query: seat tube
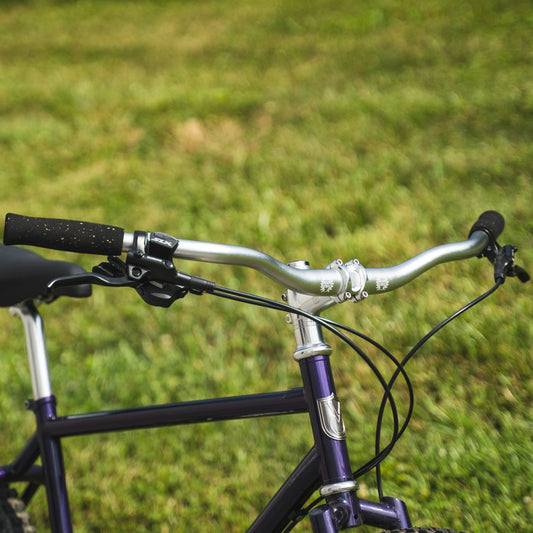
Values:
[(44, 407), (313, 356)]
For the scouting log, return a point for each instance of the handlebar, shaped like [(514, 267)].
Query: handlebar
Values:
[(340, 281), (339, 278)]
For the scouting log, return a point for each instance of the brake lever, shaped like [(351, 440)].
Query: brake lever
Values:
[(521, 274), (160, 287), (91, 278), (114, 273), (504, 264)]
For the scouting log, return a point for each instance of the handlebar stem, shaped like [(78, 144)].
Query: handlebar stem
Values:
[(308, 333)]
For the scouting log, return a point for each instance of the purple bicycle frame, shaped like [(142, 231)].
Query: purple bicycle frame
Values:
[(327, 465)]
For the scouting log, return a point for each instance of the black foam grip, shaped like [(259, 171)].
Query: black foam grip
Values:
[(62, 234), (490, 222)]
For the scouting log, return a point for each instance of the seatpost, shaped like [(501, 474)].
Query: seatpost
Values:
[(43, 405), (36, 348), (313, 355)]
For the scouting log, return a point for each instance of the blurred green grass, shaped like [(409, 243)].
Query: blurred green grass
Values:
[(310, 130)]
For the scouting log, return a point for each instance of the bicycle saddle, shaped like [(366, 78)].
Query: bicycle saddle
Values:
[(24, 275)]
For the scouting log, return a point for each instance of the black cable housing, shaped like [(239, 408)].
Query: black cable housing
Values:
[(334, 327)]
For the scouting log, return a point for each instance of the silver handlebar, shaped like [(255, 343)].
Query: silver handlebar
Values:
[(390, 278), (339, 281)]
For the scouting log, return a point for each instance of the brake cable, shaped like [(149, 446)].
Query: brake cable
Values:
[(380, 455), (404, 362), (330, 325)]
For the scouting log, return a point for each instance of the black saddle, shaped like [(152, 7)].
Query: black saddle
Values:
[(24, 275)]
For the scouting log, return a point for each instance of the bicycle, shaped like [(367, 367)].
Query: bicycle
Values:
[(27, 279)]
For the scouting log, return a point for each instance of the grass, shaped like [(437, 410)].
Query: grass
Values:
[(312, 130)]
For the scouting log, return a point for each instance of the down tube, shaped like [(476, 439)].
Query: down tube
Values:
[(291, 497)]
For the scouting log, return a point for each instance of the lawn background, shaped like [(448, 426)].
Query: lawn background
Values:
[(311, 130)]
